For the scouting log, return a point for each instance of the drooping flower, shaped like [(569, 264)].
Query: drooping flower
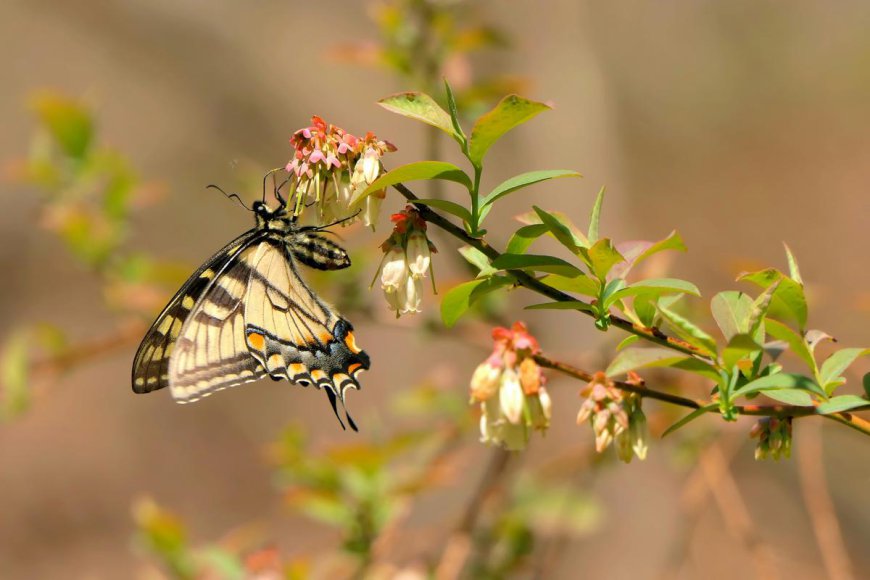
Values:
[(329, 166), (615, 416), (407, 259), (774, 437), (509, 386)]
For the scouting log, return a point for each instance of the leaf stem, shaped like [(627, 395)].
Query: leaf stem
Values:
[(475, 202)]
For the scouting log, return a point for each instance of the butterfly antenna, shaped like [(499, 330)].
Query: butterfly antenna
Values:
[(278, 195), (266, 179), (229, 195)]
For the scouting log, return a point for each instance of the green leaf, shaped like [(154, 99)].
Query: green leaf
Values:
[(510, 112), (560, 231), (689, 418), (477, 259), (779, 381), (830, 373), (688, 331), (795, 342), (796, 397), (627, 341), (793, 270), (866, 382), (535, 262), (658, 287), (459, 299), (68, 121), (612, 287), (421, 107), (739, 347), (636, 358), (578, 238), (842, 403), (636, 252), (448, 206), (524, 180), (413, 172), (788, 300), (564, 305), (731, 311), (602, 257), (523, 238), (595, 218), (644, 306), (577, 284), (454, 113)]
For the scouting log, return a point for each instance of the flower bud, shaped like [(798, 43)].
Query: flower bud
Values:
[(411, 297), (485, 381), (393, 269), (511, 396), (530, 376), (418, 254)]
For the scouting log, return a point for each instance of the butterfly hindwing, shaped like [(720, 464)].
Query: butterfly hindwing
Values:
[(151, 363), (293, 334)]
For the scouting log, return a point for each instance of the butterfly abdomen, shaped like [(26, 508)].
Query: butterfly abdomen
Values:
[(317, 252)]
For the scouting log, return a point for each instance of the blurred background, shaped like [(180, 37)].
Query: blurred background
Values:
[(740, 124)]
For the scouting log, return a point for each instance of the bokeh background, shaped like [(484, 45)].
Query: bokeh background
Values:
[(740, 124)]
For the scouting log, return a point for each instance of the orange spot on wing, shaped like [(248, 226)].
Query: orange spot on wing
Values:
[(257, 341), (350, 342), (353, 368)]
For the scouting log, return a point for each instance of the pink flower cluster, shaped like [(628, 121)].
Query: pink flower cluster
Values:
[(330, 166), (509, 386)]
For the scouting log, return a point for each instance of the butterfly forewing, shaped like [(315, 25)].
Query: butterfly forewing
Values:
[(151, 363), (211, 353)]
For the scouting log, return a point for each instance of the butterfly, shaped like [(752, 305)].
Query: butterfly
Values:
[(246, 313)]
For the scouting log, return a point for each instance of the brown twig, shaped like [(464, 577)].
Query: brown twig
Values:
[(820, 507), (83, 352)]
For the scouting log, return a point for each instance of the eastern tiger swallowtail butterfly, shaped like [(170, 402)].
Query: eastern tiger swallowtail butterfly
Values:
[(246, 313)]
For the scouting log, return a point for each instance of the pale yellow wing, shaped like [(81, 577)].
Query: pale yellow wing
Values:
[(295, 335), (211, 352)]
